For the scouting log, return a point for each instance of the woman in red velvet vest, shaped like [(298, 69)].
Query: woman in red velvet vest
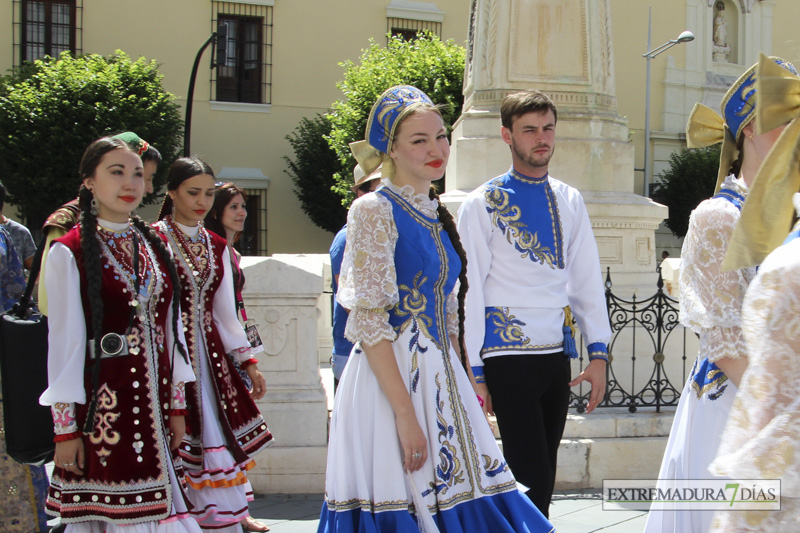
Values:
[(224, 427), (116, 365)]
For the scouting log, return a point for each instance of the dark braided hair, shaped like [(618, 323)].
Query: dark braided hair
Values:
[(94, 287), (161, 248), (91, 258), (449, 225)]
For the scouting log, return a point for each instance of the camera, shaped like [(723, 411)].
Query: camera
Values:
[(111, 345)]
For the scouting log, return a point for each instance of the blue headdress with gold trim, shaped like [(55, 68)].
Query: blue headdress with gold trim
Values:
[(387, 112), (768, 213), (738, 108), (739, 103)]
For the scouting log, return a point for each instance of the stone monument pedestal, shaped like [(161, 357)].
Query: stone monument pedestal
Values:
[(281, 295)]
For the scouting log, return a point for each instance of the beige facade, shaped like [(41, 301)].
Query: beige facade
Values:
[(309, 38)]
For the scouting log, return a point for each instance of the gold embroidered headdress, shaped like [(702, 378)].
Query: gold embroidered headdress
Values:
[(738, 107), (387, 112), (768, 212)]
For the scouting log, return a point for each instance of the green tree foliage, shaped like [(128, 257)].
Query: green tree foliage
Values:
[(52, 110), (312, 171), (689, 180), (434, 66)]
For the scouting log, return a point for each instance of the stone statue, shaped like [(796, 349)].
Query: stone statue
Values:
[(720, 26), (721, 50)]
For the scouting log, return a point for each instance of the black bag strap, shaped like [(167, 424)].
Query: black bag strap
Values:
[(21, 309)]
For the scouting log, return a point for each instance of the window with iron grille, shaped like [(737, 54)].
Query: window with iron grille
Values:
[(254, 237), (246, 74), (408, 28), (46, 28)]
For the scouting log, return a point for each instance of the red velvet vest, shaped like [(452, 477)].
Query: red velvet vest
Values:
[(200, 266), (126, 477)]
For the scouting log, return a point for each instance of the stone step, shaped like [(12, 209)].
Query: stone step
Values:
[(610, 444), (585, 463), (613, 422)]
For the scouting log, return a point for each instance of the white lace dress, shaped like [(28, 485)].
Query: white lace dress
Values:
[(762, 437), (711, 306)]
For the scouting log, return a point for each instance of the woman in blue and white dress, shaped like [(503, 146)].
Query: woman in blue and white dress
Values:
[(711, 297), (410, 448)]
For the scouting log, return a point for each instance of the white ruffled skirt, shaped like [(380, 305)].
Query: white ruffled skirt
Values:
[(220, 492), (693, 442)]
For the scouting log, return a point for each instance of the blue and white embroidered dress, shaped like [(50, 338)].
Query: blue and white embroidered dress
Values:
[(532, 253), (398, 278), (711, 306)]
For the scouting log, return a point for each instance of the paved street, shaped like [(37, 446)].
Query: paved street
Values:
[(571, 512)]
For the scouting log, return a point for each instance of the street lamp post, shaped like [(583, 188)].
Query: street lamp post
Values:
[(219, 40), (684, 37)]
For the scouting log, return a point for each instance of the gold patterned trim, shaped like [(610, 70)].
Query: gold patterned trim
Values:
[(523, 348), (717, 377)]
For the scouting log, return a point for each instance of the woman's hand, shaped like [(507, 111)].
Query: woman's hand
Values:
[(412, 440), (483, 391), (259, 383), (70, 455), (177, 428)]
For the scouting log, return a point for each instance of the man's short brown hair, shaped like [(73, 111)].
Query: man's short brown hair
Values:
[(520, 103)]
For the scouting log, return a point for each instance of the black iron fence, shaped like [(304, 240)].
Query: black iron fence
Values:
[(640, 373)]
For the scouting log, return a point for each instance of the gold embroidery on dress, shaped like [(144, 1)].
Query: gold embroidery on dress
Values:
[(413, 305), (493, 466), (715, 379), (366, 505), (449, 471)]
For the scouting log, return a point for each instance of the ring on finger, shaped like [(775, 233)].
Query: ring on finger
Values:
[(69, 464), (416, 455)]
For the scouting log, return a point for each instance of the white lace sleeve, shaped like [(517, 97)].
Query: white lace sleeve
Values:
[(762, 437), (452, 311), (368, 280), (711, 300)]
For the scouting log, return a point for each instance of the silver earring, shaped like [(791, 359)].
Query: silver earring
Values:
[(93, 207)]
